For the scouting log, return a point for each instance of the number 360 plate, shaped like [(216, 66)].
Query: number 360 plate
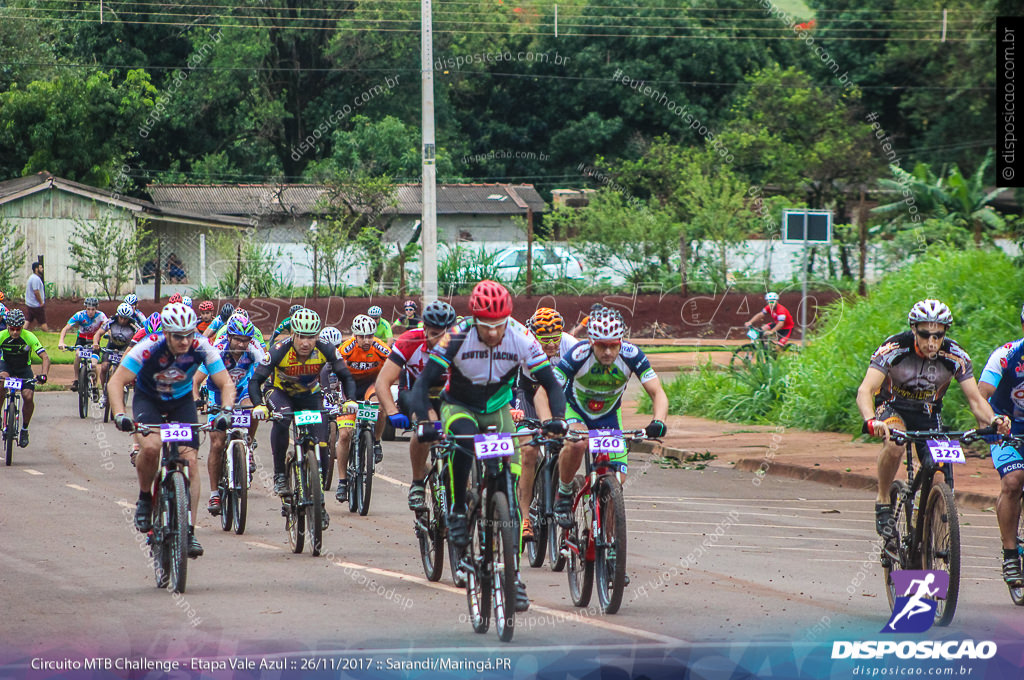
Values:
[(497, 445)]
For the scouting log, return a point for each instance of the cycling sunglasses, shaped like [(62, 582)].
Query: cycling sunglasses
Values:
[(180, 337), (607, 344), (925, 335), (500, 323), (549, 339)]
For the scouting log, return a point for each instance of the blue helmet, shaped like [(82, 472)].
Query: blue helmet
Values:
[(237, 326)]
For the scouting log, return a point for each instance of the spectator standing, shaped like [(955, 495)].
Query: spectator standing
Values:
[(35, 298)]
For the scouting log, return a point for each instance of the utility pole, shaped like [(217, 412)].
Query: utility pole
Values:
[(429, 190)]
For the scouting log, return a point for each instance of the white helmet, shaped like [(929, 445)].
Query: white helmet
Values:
[(375, 311), (186, 300), (331, 335), (771, 298), (363, 325), (605, 324), (125, 310), (177, 318), (305, 322), (930, 311)]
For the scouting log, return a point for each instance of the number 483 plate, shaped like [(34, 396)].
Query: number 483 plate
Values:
[(946, 451)]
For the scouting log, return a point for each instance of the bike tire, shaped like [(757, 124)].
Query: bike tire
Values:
[(556, 537), (941, 546), (158, 548), (315, 496), (10, 428), (610, 563), (503, 542), (295, 521), (478, 577), (84, 390), (227, 495), (896, 490), (744, 355), (430, 532), (355, 486), (106, 403), (367, 472), (240, 490), (1017, 594), (178, 534), (580, 569), (536, 549)]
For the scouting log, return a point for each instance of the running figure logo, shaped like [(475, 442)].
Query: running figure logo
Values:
[(914, 611)]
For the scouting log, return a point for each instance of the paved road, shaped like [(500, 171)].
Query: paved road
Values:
[(786, 559)]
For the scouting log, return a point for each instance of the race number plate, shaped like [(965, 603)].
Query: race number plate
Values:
[(241, 418), (367, 413), (12, 383), (752, 334), (493, 445), (84, 352), (946, 451), (114, 357), (607, 441), (175, 432), (307, 417)]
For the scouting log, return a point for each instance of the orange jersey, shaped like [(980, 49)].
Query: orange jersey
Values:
[(364, 365)]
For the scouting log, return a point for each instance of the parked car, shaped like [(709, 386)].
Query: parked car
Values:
[(556, 262)]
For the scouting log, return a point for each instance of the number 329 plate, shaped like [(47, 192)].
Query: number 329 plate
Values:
[(944, 451), (493, 445)]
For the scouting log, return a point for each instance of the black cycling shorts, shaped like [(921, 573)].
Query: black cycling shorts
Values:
[(150, 411), (23, 373), (909, 421)]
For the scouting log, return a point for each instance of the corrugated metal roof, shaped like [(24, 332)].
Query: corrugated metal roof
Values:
[(303, 199)]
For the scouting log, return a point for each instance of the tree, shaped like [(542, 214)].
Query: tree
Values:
[(330, 250), (718, 206), (12, 253), (107, 252), (358, 208)]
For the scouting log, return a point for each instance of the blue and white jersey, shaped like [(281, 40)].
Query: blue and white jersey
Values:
[(240, 370), (216, 325), (594, 390), (88, 325), (139, 318), (161, 375), (1004, 370)]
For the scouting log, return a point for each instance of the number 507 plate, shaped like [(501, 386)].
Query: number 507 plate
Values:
[(946, 451)]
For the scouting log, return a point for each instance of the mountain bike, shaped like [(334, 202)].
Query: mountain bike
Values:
[(595, 545), (12, 414), (172, 515), (431, 523), (762, 347), (114, 357), (87, 388), (234, 472), (929, 538), (302, 505), (542, 507), (360, 457)]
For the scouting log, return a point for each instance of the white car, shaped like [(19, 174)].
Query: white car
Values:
[(555, 261)]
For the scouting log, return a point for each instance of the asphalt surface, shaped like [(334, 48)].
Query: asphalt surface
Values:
[(714, 555)]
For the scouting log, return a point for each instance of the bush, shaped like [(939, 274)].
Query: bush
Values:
[(821, 382)]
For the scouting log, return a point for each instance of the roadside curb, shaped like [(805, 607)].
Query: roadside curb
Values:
[(849, 480)]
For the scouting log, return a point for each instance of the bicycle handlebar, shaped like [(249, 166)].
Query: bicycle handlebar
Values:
[(901, 437)]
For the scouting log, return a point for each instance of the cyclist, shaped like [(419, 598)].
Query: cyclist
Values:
[(780, 319), (162, 366), (293, 369), (243, 316), (16, 345), (483, 356), (205, 315), (120, 331), (88, 321), (226, 310), (595, 373), (580, 331), (137, 316), (240, 354), (1002, 384), (3, 312), (404, 365), (903, 388), (383, 331), (285, 327), (365, 356), (410, 317), (547, 326)]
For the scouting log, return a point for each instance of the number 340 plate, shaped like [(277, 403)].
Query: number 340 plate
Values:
[(176, 432), (944, 451)]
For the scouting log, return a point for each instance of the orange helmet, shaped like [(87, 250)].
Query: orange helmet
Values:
[(1, 296), (546, 321)]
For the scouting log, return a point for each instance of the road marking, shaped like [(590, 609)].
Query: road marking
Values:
[(32, 472), (126, 504), (757, 537), (566, 616), (265, 546), (389, 480), (737, 524), (758, 514), (76, 487)]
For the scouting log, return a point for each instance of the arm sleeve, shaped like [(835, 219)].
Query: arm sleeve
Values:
[(340, 368), (556, 393), (259, 376), (419, 394), (993, 372)]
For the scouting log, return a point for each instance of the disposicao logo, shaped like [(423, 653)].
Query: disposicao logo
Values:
[(914, 610)]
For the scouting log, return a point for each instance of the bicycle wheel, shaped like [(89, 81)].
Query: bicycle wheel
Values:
[(315, 497), (941, 546), (744, 355), (295, 520), (578, 541), (240, 487), (327, 468), (556, 538), (84, 389), (895, 557), (355, 466), (367, 471), (1017, 594), (226, 492), (610, 565), (478, 576), (103, 390), (10, 428), (502, 539), (430, 532), (536, 548), (158, 547), (177, 532)]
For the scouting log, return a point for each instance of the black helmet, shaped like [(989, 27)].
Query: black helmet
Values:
[(438, 314), (294, 308), (226, 310)]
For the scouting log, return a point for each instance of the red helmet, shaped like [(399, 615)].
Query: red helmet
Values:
[(490, 300), (174, 298), (205, 306)]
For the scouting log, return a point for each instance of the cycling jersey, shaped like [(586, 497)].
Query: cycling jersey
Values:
[(383, 332), (1004, 370), (296, 377), (481, 376), (282, 328), (161, 375), (216, 324), (87, 325), (202, 326), (410, 353), (594, 390), (782, 314), (364, 364), (240, 369), (3, 317), (139, 318), (15, 352), (118, 335), (526, 384), (916, 383)]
